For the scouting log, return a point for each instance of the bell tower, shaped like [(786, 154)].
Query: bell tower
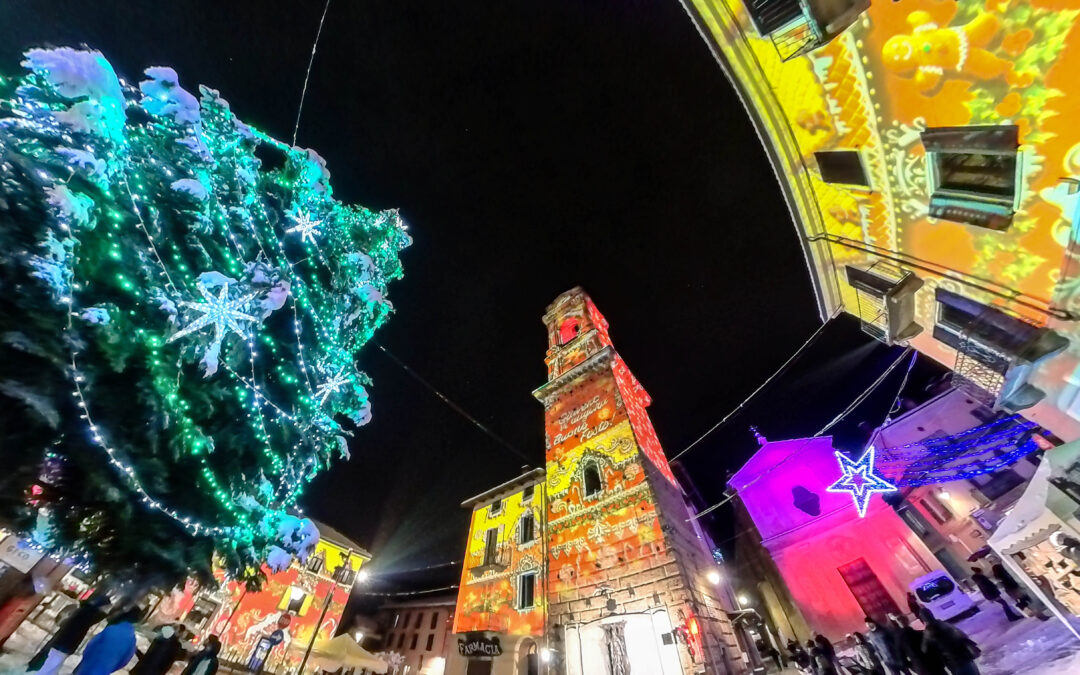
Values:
[(630, 582)]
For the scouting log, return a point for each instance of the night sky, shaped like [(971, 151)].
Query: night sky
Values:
[(531, 147)]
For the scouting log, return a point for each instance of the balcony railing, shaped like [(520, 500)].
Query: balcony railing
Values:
[(494, 560)]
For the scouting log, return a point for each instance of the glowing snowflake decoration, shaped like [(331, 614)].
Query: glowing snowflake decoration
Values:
[(306, 226), (859, 479), (331, 386), (217, 311)]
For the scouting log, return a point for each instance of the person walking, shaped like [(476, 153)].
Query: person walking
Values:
[(958, 650), (866, 657), (822, 658), (910, 641), (69, 636), (112, 648), (913, 604), (800, 656), (990, 591), (162, 653), (1017, 594), (205, 662), (886, 642)]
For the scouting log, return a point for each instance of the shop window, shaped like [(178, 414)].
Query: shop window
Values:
[(591, 476), (842, 167), (526, 528), (526, 590), (973, 172), (430, 642), (569, 330)]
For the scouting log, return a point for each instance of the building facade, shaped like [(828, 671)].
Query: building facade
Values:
[(271, 629), (623, 582), (420, 632), (928, 156)]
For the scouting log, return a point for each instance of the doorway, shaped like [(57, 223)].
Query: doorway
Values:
[(478, 667)]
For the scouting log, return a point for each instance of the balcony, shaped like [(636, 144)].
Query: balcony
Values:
[(495, 560), (799, 26), (886, 301)]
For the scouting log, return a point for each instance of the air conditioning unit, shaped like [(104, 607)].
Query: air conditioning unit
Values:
[(886, 301), (799, 26)]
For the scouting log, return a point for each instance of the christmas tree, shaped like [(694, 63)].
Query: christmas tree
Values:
[(181, 303)]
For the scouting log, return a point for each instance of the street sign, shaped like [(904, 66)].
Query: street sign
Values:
[(15, 553)]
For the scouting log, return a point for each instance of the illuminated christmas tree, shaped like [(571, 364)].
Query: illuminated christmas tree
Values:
[(181, 302)]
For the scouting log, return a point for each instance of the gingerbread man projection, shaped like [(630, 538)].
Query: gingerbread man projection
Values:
[(934, 53)]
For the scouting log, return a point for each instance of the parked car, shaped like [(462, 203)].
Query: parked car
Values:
[(945, 599)]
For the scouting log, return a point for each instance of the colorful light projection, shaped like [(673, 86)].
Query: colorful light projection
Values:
[(860, 480), (903, 68), (490, 601)]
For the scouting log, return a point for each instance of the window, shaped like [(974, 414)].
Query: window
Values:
[(405, 623), (430, 642), (936, 509), (434, 620), (495, 508), (315, 563), (296, 600), (526, 590), (844, 167), (591, 475), (935, 588), (996, 484), (401, 641), (420, 662), (568, 330), (916, 521), (412, 643), (419, 620), (491, 545), (526, 529), (973, 173), (527, 493)]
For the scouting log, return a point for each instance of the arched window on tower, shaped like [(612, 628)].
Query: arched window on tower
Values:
[(591, 477), (569, 329)]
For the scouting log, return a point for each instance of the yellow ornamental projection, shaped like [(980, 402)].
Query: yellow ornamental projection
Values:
[(997, 226), (616, 444)]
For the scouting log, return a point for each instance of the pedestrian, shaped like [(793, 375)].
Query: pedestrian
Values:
[(866, 657), (910, 640), (112, 648), (990, 591), (886, 642), (957, 649), (822, 658), (913, 604), (69, 636), (162, 653), (205, 662), (800, 656), (1017, 594)]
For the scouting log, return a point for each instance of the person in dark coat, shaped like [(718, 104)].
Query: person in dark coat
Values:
[(205, 662), (112, 648), (1016, 592), (162, 653), (913, 604), (887, 644), (910, 641), (990, 591), (822, 657), (958, 650), (866, 657), (69, 636)]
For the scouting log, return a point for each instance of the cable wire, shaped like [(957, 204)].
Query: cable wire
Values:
[(404, 593), (854, 404), (307, 75), (454, 406), (764, 384)]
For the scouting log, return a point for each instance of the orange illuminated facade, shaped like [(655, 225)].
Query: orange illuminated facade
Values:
[(292, 601), (928, 153)]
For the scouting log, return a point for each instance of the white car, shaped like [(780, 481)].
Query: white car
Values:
[(940, 593)]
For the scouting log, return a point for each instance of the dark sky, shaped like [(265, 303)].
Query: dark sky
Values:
[(532, 147)]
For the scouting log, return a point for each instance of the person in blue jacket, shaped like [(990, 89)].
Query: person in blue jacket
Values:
[(112, 648)]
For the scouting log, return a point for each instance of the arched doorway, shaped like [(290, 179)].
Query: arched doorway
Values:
[(528, 661)]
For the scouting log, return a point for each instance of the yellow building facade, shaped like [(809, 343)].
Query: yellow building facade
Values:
[(929, 153)]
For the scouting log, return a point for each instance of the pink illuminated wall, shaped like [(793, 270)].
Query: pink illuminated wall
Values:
[(817, 537)]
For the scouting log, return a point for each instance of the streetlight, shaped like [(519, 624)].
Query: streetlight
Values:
[(744, 600), (714, 577), (361, 576)]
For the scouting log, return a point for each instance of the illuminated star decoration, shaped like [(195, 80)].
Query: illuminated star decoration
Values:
[(860, 480), (218, 311), (331, 386), (306, 226)]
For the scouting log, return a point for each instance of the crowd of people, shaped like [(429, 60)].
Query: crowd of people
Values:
[(895, 647), (113, 647)]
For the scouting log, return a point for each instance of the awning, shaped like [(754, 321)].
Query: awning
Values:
[(343, 651)]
